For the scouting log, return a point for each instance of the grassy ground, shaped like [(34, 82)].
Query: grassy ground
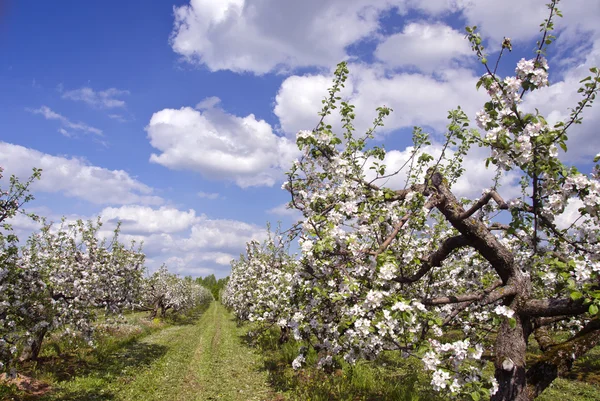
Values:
[(205, 356), (195, 359), (391, 377)]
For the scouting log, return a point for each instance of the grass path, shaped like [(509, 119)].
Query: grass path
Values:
[(201, 361)]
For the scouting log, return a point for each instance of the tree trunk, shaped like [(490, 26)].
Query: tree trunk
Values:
[(32, 351), (284, 337), (155, 308), (510, 350)]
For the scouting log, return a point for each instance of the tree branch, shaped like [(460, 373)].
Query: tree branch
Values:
[(476, 232), (553, 307), (487, 296), (436, 258), (559, 358), (483, 201)]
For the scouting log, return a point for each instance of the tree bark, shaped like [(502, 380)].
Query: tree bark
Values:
[(510, 350), (32, 351)]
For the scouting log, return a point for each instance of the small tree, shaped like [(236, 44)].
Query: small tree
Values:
[(11, 292), (69, 273), (165, 291)]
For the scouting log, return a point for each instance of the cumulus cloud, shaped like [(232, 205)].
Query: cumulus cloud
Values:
[(75, 178), (186, 242), (474, 180), (417, 99), (224, 235), (426, 46), (219, 145), (271, 35), (144, 219), (106, 99), (525, 16), (263, 36), (65, 122)]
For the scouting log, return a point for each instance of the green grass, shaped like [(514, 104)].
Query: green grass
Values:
[(198, 357), (391, 377), (206, 356)]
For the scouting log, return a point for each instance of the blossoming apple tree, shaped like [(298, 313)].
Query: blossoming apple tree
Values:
[(401, 268), (165, 291), (71, 274), (59, 280), (11, 293), (259, 281)]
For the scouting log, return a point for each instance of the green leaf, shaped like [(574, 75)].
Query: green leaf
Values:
[(593, 309), (575, 295), (475, 396), (512, 322)]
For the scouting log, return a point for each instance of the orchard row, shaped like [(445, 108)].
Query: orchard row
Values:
[(458, 282), (66, 275)]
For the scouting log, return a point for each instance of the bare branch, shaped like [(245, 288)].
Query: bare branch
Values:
[(483, 201), (553, 307)]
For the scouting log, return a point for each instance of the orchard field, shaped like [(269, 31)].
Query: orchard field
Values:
[(464, 267)]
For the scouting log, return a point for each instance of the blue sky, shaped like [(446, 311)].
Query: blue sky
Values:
[(179, 117)]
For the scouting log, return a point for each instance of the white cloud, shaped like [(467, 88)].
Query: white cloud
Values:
[(75, 126), (106, 99), (262, 36), (143, 219), (426, 46), (190, 245), (189, 265), (272, 35), (75, 178), (229, 236), (570, 214), (208, 195), (520, 20), (208, 103), (283, 211), (219, 145), (417, 99)]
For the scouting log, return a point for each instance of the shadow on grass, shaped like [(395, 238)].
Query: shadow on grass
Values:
[(390, 377), (82, 395), (184, 319), (587, 368), (75, 378), (89, 374)]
